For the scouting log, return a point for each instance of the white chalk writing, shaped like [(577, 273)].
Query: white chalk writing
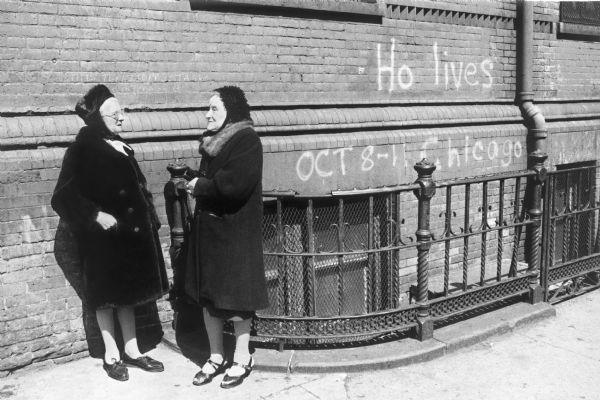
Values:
[(454, 74), (340, 162), (392, 160), (505, 152)]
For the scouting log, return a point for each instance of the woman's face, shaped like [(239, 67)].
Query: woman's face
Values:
[(216, 114), (112, 115)]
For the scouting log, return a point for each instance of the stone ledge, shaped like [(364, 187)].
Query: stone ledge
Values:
[(32, 131), (570, 110), (61, 129)]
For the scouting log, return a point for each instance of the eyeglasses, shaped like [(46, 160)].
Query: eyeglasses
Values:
[(117, 115)]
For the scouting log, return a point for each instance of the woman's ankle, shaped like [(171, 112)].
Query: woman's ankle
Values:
[(208, 367), (242, 357), (240, 368), (111, 358), (132, 350), (216, 358)]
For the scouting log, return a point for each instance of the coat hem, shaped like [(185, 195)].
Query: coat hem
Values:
[(137, 303), (204, 301)]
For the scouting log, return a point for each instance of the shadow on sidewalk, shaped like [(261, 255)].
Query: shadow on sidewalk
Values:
[(148, 326), (191, 337)]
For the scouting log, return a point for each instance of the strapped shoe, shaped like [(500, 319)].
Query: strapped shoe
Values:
[(144, 362), (202, 378), (233, 381), (116, 370)]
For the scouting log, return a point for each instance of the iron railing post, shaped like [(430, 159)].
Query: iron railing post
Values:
[(535, 211), (174, 196), (424, 194), (177, 214), (548, 245)]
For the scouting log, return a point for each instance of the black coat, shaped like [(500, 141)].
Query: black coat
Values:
[(225, 253), (122, 266)]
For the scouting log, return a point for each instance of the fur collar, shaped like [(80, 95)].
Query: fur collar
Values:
[(212, 145)]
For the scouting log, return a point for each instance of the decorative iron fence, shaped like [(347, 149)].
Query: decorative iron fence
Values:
[(360, 264), (482, 242), (571, 256), (357, 266), (333, 265)]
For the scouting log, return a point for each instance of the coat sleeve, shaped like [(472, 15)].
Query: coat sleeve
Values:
[(67, 199), (148, 196), (238, 177)]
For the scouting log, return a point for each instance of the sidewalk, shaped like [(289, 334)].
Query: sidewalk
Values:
[(526, 355), (385, 355)]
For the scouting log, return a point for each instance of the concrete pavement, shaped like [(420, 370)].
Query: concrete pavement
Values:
[(528, 357)]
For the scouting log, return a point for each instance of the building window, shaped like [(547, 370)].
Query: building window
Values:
[(330, 256), (579, 20), (298, 8)]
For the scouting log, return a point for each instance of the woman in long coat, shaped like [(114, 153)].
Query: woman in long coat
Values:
[(101, 193), (225, 271)]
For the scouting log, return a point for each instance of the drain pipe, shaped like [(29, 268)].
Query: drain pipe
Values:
[(537, 133), (536, 124)]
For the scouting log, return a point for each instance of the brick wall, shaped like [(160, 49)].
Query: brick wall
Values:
[(162, 54), (340, 104)]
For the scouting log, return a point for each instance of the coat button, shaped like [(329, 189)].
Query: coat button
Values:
[(136, 229), (122, 192), (130, 210)]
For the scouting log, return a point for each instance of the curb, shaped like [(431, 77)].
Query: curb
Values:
[(401, 352)]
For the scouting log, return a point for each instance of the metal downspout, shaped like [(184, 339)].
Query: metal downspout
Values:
[(537, 133), (535, 121)]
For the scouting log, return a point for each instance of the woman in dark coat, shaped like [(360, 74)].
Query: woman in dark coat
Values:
[(101, 194), (225, 272)]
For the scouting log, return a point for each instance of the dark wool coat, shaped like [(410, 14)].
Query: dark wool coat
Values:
[(122, 266), (225, 253)]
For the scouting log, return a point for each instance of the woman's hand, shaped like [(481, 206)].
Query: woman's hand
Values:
[(189, 187), (106, 220)]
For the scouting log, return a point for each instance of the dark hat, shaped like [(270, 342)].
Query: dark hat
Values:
[(88, 107)]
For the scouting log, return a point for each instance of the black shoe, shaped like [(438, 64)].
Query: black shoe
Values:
[(233, 381), (116, 370), (144, 362), (202, 378)]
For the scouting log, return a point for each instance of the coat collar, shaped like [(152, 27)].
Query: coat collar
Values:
[(212, 145), (90, 136)]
